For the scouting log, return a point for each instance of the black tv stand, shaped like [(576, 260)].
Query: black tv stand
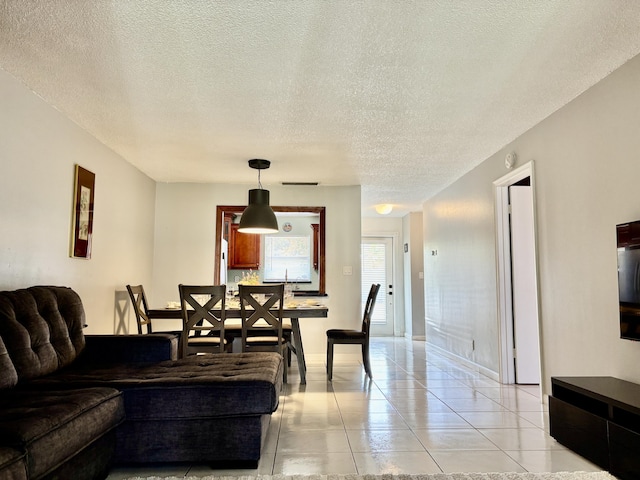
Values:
[(599, 418)]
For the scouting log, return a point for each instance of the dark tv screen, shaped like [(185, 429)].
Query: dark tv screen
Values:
[(628, 238)]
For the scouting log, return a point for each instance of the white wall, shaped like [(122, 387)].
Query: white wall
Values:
[(587, 171), (38, 149), (460, 278), (185, 242)]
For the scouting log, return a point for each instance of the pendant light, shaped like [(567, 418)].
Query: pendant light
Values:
[(258, 217)]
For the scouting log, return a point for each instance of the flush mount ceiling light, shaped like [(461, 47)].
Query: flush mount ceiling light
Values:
[(258, 217), (384, 208)]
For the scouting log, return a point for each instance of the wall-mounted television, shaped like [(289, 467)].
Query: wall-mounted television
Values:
[(628, 238)]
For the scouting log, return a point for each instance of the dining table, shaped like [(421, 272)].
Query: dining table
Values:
[(292, 312)]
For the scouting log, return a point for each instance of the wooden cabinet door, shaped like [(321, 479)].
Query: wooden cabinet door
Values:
[(244, 249), (628, 234), (316, 244), (226, 225)]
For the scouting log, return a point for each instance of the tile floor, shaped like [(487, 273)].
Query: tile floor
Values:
[(423, 413)]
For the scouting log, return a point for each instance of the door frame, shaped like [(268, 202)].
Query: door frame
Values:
[(398, 330), (501, 186)]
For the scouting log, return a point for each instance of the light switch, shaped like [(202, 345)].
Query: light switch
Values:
[(347, 270), (421, 275)]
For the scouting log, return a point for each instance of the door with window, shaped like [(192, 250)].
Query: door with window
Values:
[(377, 267)]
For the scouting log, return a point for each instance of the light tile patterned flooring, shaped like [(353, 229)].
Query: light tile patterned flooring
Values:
[(423, 413)]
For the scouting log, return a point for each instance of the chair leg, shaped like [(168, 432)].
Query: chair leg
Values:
[(329, 359), (365, 360), (285, 370)]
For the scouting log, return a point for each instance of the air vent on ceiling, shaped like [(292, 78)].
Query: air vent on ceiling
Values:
[(300, 183)]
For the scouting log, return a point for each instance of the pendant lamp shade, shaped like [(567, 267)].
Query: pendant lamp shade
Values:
[(258, 217)]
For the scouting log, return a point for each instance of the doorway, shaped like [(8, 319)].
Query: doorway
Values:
[(518, 277), (377, 267)]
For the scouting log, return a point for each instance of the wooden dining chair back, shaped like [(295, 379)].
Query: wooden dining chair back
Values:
[(140, 308), (262, 323), (203, 316), (354, 337)]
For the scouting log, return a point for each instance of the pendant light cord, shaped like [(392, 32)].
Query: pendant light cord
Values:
[(259, 164)]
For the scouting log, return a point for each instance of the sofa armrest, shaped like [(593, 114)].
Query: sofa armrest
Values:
[(149, 348)]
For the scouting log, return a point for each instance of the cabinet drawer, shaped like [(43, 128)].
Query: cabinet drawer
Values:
[(579, 430), (624, 446)]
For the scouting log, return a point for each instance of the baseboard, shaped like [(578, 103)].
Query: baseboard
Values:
[(466, 362), (317, 359), (414, 338)]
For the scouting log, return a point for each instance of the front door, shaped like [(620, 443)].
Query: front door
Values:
[(377, 267)]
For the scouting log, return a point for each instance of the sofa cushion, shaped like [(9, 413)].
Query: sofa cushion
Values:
[(8, 375), (212, 385), (13, 464), (53, 426), (41, 328)]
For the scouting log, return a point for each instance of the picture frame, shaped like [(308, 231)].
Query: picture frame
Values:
[(82, 223)]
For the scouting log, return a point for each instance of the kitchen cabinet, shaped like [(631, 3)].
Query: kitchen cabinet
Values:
[(628, 234), (315, 227), (244, 249), (226, 225)]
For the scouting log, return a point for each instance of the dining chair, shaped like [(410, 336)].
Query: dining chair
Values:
[(140, 307), (262, 323), (354, 337), (202, 329)]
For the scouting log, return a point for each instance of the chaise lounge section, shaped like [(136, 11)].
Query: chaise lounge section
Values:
[(123, 399)]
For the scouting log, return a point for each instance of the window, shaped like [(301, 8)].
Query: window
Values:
[(287, 258)]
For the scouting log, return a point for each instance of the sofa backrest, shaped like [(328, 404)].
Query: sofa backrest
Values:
[(8, 374), (41, 328)]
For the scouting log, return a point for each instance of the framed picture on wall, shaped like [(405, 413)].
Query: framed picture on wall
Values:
[(82, 225)]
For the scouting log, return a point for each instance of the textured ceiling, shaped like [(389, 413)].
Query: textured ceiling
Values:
[(401, 97)]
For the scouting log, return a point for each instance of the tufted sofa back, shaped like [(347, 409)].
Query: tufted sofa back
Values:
[(8, 374), (41, 330)]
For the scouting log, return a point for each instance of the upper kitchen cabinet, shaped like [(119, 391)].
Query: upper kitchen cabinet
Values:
[(628, 234), (244, 249)]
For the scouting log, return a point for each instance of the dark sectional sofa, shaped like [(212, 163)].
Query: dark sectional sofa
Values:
[(71, 405)]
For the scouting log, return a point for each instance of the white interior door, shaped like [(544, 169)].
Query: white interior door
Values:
[(524, 292), (377, 267)]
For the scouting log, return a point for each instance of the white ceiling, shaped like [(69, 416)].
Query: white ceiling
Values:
[(399, 96)]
